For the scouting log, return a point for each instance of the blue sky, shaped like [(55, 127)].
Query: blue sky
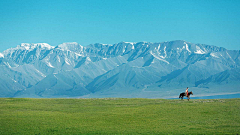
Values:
[(215, 22)]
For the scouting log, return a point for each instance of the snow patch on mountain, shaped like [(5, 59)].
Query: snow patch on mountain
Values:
[(214, 55), (31, 46), (6, 63), (155, 56), (71, 46), (130, 43), (88, 59), (67, 61), (40, 73), (187, 47), (1, 55), (199, 51), (133, 46), (48, 63)]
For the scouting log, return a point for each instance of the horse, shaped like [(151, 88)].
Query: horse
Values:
[(183, 94)]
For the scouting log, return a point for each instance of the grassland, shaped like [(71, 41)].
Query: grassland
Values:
[(119, 116)]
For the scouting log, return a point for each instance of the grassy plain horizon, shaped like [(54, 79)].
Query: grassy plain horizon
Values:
[(119, 116)]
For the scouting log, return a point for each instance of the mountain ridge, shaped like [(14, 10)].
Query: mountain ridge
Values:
[(123, 69)]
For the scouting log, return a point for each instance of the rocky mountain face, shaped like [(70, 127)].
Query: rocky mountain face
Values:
[(125, 69)]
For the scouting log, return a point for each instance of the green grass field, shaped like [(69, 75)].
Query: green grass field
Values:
[(119, 116)]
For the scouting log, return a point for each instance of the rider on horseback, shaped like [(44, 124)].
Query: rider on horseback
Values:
[(186, 92)]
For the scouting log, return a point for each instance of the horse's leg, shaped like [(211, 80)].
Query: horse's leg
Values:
[(188, 98)]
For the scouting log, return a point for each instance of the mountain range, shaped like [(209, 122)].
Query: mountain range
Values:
[(125, 69)]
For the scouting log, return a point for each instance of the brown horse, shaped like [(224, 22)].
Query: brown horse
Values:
[(183, 94)]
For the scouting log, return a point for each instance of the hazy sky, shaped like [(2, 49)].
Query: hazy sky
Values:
[(212, 22)]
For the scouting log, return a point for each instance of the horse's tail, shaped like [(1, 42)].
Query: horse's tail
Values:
[(179, 95)]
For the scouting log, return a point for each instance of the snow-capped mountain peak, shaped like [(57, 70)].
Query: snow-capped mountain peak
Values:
[(31, 46), (71, 46), (28, 47), (129, 42)]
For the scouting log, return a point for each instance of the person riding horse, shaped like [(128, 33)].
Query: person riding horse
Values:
[(186, 93)]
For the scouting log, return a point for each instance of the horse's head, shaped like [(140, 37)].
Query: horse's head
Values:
[(191, 93)]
